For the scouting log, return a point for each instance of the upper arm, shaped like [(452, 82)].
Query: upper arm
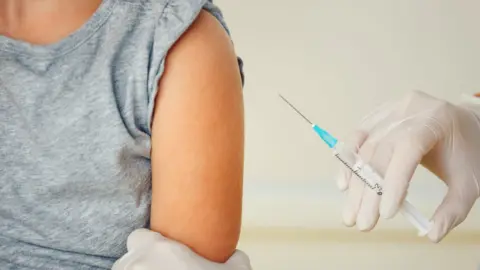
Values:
[(198, 143)]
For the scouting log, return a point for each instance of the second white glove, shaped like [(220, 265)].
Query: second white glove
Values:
[(148, 250)]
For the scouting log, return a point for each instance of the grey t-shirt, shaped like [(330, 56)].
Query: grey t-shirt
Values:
[(75, 134)]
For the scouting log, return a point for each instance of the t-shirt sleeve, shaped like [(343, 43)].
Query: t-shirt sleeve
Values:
[(175, 18)]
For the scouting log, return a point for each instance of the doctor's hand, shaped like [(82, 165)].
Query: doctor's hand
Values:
[(395, 139), (148, 250)]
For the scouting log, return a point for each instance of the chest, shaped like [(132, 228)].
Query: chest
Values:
[(73, 154)]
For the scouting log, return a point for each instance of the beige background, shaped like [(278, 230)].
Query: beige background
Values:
[(336, 60)]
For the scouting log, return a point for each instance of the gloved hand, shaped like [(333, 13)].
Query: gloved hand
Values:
[(148, 250), (395, 139)]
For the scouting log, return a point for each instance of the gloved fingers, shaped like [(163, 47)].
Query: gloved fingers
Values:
[(356, 189), (408, 153), (354, 143), (377, 155), (378, 116), (368, 124), (397, 179), (368, 214), (354, 201), (419, 102), (452, 211), (142, 237), (343, 178)]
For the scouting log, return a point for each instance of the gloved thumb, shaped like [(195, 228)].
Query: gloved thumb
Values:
[(452, 211), (142, 237), (239, 261)]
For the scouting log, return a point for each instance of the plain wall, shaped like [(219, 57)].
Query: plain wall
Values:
[(336, 61)]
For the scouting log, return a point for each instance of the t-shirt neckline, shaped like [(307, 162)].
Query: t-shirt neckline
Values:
[(66, 44)]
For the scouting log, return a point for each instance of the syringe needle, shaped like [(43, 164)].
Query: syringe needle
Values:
[(293, 107), (365, 173)]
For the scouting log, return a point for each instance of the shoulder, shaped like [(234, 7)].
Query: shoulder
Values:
[(203, 51), (143, 35), (205, 35), (157, 25), (184, 9)]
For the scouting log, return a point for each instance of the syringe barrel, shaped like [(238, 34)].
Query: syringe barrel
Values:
[(373, 180)]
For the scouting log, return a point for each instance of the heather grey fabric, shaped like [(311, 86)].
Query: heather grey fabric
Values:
[(75, 134)]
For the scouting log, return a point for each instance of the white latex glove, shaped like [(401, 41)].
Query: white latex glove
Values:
[(148, 250), (395, 139)]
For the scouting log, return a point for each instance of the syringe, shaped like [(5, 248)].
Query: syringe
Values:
[(364, 172)]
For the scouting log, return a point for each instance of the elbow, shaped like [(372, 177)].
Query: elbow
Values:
[(216, 243), (217, 251), (216, 246)]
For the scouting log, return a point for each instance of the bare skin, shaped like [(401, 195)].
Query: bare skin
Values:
[(37, 21), (198, 149), (197, 130)]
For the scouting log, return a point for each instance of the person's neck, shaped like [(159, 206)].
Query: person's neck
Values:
[(44, 21)]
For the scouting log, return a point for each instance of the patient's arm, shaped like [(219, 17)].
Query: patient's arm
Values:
[(197, 143)]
